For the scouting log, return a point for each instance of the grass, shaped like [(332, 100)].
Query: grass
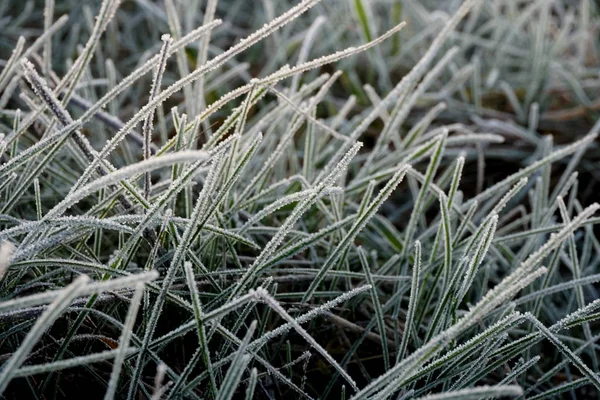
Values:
[(299, 199)]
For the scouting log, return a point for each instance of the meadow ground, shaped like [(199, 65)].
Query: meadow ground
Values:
[(385, 199)]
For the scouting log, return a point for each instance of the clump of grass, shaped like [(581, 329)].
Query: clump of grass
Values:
[(220, 231)]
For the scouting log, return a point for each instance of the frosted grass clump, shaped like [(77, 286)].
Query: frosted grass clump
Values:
[(301, 211)]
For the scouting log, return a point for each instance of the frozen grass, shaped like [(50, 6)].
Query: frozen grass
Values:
[(334, 205)]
